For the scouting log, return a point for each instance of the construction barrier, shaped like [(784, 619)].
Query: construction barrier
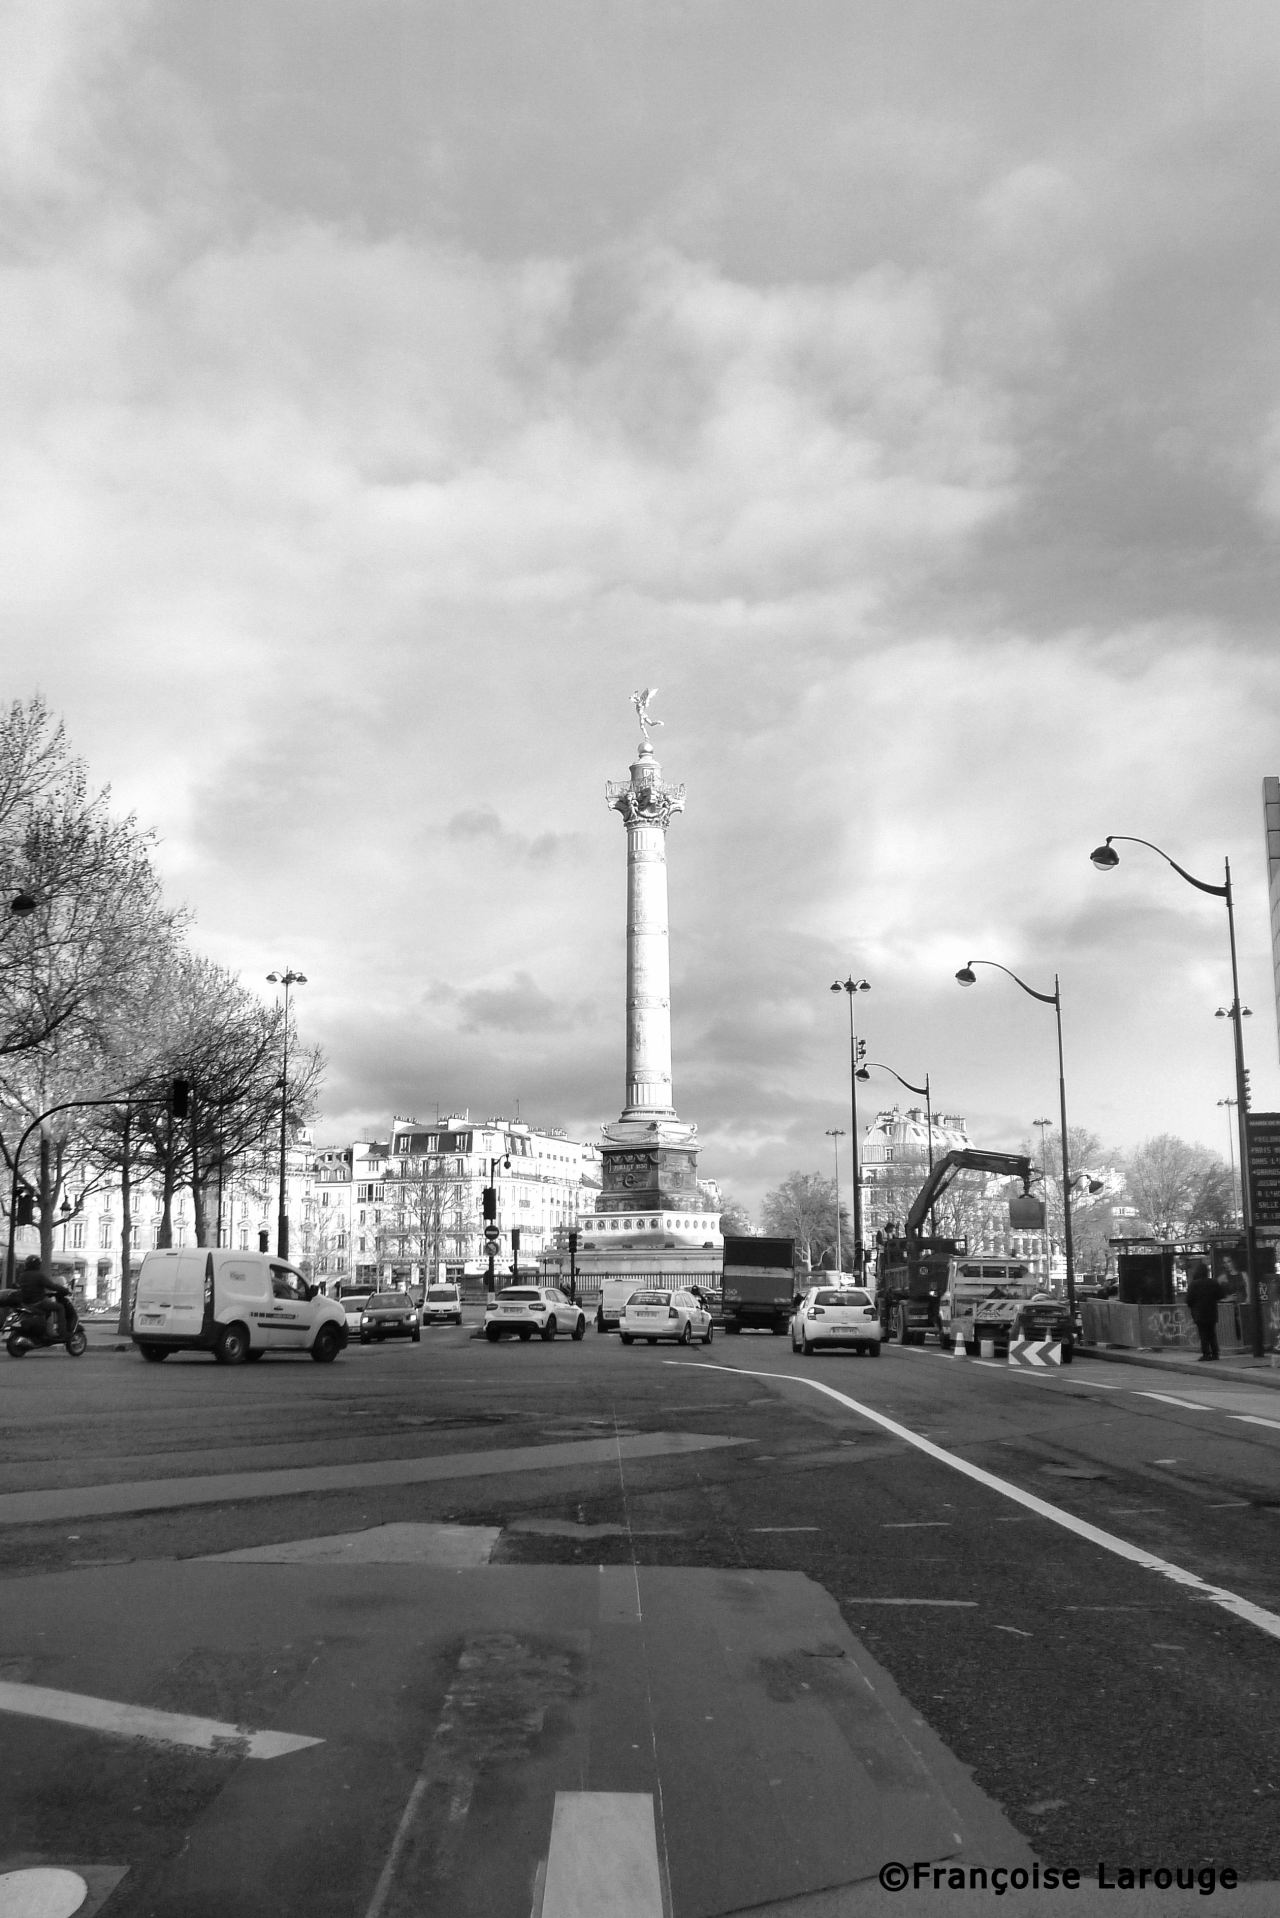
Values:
[(1037, 1353)]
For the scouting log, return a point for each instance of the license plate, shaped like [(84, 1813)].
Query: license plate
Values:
[(153, 1318)]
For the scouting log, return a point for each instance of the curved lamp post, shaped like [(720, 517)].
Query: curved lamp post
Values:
[(852, 986), (286, 979), (922, 1092), (1106, 859), (965, 978), (836, 1133)]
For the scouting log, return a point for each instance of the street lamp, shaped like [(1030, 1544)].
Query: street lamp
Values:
[(857, 1048), (965, 978), (835, 1132), (921, 1092), (286, 979), (1106, 859), (1231, 1148), (1044, 1180)]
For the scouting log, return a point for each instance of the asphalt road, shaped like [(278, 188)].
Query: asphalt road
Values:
[(1062, 1594)]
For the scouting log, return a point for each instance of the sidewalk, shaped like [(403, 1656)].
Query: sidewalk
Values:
[(1232, 1365)]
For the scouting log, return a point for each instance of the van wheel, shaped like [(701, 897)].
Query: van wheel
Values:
[(326, 1345), (154, 1354), (233, 1346)]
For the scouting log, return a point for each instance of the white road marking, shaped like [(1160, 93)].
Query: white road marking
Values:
[(912, 1524), (786, 1528), (138, 1721), (41, 1891), (966, 1604), (1167, 1398), (603, 1857), (1247, 1418), (1242, 1608)]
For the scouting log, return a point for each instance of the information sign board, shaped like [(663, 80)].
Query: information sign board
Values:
[(1264, 1167)]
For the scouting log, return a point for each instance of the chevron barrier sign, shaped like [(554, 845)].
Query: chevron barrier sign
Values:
[(1038, 1353)]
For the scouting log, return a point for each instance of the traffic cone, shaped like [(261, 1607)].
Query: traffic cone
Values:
[(958, 1350)]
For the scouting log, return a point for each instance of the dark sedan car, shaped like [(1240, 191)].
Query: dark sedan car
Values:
[(389, 1315)]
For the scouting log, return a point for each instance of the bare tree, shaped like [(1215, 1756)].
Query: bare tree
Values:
[(90, 899), (735, 1219), (1180, 1189), (803, 1208)]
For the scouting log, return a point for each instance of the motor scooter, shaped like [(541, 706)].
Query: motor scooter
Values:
[(26, 1328)]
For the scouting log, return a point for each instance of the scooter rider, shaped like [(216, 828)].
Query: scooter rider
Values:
[(40, 1293)]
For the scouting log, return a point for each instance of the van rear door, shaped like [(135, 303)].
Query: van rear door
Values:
[(170, 1296)]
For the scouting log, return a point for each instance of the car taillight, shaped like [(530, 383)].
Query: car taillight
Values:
[(672, 1313), (869, 1312), (816, 1312)]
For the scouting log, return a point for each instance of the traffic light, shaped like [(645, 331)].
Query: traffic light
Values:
[(490, 1202), (180, 1098), (1244, 1073), (25, 1211), (515, 1239), (573, 1242)]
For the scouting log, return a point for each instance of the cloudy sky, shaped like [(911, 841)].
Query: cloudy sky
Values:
[(390, 386)]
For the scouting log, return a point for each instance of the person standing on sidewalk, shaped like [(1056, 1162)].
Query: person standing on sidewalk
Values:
[(1203, 1295)]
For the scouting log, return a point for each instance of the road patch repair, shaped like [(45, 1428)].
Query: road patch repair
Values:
[(462, 1736)]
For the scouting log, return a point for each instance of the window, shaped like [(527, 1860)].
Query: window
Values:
[(244, 1238), (77, 1234), (104, 1234)]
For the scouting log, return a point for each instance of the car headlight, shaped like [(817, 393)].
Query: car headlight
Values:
[(365, 1319)]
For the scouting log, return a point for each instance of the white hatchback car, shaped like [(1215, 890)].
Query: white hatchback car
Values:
[(665, 1315), (829, 1315), (526, 1309)]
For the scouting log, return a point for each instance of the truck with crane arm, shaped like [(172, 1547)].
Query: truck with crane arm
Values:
[(926, 1284)]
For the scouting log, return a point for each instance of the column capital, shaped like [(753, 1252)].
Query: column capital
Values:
[(645, 799)]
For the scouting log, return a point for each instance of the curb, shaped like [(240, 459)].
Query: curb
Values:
[(1257, 1373)]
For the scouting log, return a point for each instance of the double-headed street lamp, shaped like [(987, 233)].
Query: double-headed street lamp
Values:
[(286, 979), (1106, 858), (921, 1092), (965, 978), (856, 1048), (835, 1133)]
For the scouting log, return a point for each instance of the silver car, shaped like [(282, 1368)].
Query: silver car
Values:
[(665, 1315)]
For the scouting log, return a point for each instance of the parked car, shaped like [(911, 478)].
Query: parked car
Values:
[(442, 1304), (526, 1309), (665, 1315), (389, 1315), (836, 1315), (353, 1305)]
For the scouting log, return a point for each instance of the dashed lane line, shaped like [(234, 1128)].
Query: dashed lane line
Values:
[(1167, 1398), (1239, 1607), (138, 1721), (1249, 1418)]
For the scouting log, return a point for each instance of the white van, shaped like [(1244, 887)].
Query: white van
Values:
[(236, 1305), (614, 1294)]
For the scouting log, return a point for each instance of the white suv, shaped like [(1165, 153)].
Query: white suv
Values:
[(526, 1309)]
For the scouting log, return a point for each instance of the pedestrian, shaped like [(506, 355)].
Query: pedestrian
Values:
[(1203, 1294)]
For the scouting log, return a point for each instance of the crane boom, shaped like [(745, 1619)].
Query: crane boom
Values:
[(1015, 1165)]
